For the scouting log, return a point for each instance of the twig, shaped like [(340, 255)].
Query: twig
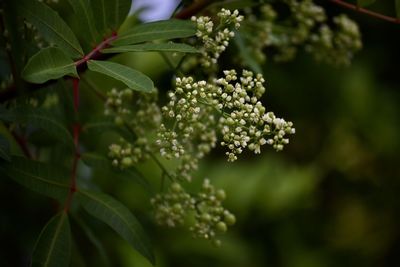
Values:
[(76, 132), (22, 144), (193, 9), (366, 11)]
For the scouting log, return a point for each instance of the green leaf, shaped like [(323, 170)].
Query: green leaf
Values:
[(51, 26), (53, 248), (91, 236), (39, 118), (42, 178), (119, 218), (364, 3), (109, 14), (49, 63), (15, 149), (164, 47), (398, 8), (158, 30), (100, 162), (84, 14), (132, 78), (4, 148)]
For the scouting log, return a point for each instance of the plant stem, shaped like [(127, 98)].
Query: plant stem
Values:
[(76, 132), (366, 11), (162, 167), (96, 52), (22, 144), (193, 9)]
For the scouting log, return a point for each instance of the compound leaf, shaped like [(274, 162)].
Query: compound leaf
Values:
[(53, 248), (119, 218), (47, 64), (132, 78)]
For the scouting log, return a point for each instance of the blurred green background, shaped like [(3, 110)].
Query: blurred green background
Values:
[(331, 198)]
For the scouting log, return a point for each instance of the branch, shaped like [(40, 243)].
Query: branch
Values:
[(193, 9), (366, 11), (76, 131), (95, 53), (22, 144)]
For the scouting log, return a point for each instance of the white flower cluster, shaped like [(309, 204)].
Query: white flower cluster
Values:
[(243, 120), (140, 114), (210, 216), (336, 47), (216, 41), (192, 133)]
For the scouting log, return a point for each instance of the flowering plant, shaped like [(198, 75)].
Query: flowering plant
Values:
[(52, 47)]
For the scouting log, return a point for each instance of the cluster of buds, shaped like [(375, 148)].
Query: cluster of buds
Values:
[(210, 217), (115, 104), (171, 208), (215, 41), (138, 112), (306, 26), (336, 47), (125, 154)]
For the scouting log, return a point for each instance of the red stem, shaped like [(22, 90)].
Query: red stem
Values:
[(22, 144), (96, 51), (76, 127), (76, 94), (193, 9), (366, 11), (76, 131)]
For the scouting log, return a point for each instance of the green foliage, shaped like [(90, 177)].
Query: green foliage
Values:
[(41, 119), (4, 148), (159, 30), (164, 47), (43, 178), (84, 15), (53, 247), (119, 218), (49, 63), (51, 26), (133, 79), (109, 15)]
